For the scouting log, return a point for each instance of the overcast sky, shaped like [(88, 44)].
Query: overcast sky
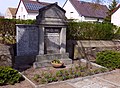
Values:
[(4, 4)]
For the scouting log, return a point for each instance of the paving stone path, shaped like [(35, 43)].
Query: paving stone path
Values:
[(106, 80)]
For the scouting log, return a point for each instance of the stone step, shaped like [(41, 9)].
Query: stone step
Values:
[(47, 63), (40, 58)]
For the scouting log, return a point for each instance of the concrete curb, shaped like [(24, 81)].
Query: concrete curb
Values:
[(87, 77), (94, 64), (28, 80)]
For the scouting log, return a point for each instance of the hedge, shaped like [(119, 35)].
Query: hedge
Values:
[(8, 29), (109, 59), (90, 31)]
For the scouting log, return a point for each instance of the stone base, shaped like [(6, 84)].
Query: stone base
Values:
[(23, 62), (45, 60)]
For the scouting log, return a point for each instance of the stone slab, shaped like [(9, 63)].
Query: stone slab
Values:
[(40, 58)]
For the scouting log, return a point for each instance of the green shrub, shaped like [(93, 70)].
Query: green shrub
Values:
[(109, 59), (92, 31), (9, 76)]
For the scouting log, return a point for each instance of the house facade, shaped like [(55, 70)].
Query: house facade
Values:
[(85, 11), (28, 9), (115, 16), (10, 13)]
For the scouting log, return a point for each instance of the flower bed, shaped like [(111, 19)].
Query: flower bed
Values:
[(50, 74)]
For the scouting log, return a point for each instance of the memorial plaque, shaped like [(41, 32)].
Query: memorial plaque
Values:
[(52, 40), (27, 40)]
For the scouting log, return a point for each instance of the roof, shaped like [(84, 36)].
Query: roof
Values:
[(50, 5), (90, 9), (33, 6), (12, 10)]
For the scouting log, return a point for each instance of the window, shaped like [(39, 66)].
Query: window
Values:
[(23, 16), (19, 17), (21, 9), (71, 15)]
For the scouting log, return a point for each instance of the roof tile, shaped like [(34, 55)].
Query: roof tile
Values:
[(90, 9), (34, 6), (12, 10)]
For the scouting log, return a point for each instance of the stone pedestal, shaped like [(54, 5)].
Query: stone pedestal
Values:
[(52, 36), (45, 60)]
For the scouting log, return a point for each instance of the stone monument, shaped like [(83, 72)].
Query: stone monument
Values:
[(48, 37)]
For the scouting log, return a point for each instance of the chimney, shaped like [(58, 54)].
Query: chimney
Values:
[(56, 3)]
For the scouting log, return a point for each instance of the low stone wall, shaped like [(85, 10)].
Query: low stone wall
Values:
[(92, 47), (6, 55)]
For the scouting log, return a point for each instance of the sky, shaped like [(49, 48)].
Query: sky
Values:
[(4, 4), (14, 3)]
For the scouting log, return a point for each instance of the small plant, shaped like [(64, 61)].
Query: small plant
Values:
[(9, 76), (36, 77), (77, 68), (71, 71), (91, 72), (49, 77), (96, 71), (66, 72), (43, 80), (59, 73), (78, 74), (82, 69), (56, 61), (83, 74)]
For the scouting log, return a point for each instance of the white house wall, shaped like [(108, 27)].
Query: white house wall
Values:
[(8, 14), (75, 15), (93, 19), (21, 13), (32, 15), (115, 18), (71, 12)]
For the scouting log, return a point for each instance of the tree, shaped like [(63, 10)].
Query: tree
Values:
[(112, 6)]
